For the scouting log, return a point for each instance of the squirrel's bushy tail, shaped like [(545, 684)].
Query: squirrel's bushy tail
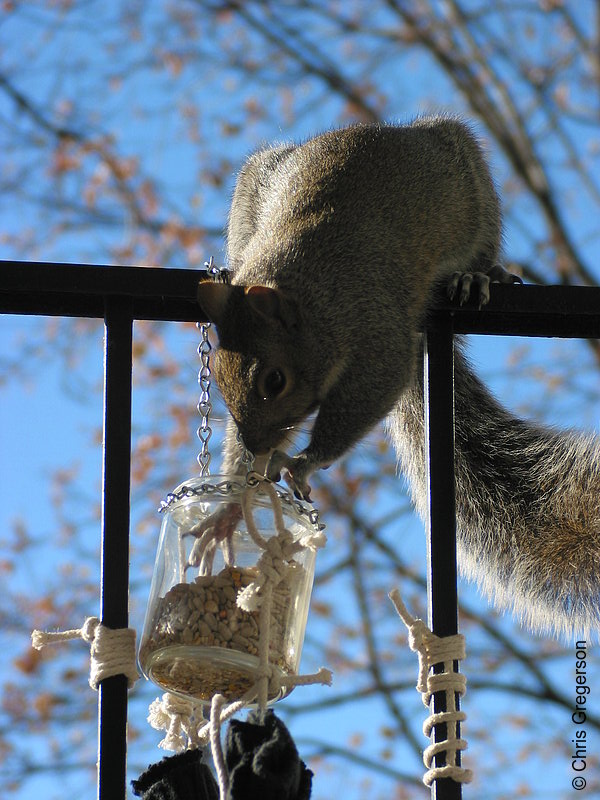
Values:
[(528, 505)]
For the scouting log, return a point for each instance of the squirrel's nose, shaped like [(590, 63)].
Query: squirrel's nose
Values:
[(253, 442)]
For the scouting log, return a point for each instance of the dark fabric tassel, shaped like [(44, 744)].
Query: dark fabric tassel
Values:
[(179, 777), (263, 762)]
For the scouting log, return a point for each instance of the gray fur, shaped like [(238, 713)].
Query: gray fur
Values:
[(527, 496), (336, 247)]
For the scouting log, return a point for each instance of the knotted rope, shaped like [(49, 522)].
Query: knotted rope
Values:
[(431, 650), (112, 652), (274, 566), (182, 718)]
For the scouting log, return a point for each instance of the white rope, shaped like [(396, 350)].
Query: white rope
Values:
[(273, 568), (432, 650), (324, 676), (183, 720), (216, 705), (220, 713), (274, 564), (264, 636), (181, 716), (112, 652)]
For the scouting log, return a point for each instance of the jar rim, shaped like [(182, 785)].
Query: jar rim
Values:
[(232, 485)]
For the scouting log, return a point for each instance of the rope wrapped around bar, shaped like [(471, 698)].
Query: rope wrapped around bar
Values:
[(112, 652), (432, 650)]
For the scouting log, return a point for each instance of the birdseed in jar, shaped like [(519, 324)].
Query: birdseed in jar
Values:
[(198, 632)]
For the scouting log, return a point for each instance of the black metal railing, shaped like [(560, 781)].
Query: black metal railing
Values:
[(121, 295)]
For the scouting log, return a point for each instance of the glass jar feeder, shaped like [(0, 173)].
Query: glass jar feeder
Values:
[(202, 631)]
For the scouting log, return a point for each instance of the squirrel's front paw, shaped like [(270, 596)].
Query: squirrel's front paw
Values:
[(297, 469), (461, 284)]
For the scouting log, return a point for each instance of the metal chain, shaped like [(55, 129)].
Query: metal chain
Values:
[(216, 273), (204, 405), (226, 488)]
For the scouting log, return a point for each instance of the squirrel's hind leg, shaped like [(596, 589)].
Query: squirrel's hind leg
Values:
[(461, 283)]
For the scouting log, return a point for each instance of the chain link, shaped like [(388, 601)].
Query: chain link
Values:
[(204, 406), (216, 273), (225, 488)]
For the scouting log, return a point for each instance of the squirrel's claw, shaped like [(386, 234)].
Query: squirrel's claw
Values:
[(461, 283), (221, 524), (497, 274), (297, 469), (277, 461), (217, 528)]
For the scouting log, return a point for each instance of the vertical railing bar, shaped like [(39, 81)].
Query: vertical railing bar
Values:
[(441, 550), (112, 701)]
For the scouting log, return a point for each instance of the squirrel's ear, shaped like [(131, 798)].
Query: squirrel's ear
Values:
[(212, 298), (272, 304)]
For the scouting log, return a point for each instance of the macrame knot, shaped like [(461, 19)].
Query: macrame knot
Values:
[(447, 650), (183, 720), (112, 652)]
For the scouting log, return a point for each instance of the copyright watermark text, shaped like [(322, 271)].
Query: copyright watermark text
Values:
[(579, 751)]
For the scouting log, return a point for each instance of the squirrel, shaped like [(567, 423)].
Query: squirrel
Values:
[(337, 247)]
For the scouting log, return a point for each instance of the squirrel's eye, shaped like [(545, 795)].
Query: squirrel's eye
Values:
[(272, 384)]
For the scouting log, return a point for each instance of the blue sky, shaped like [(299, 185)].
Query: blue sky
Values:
[(51, 416)]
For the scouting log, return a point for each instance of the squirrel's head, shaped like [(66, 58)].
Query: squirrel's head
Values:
[(258, 363)]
